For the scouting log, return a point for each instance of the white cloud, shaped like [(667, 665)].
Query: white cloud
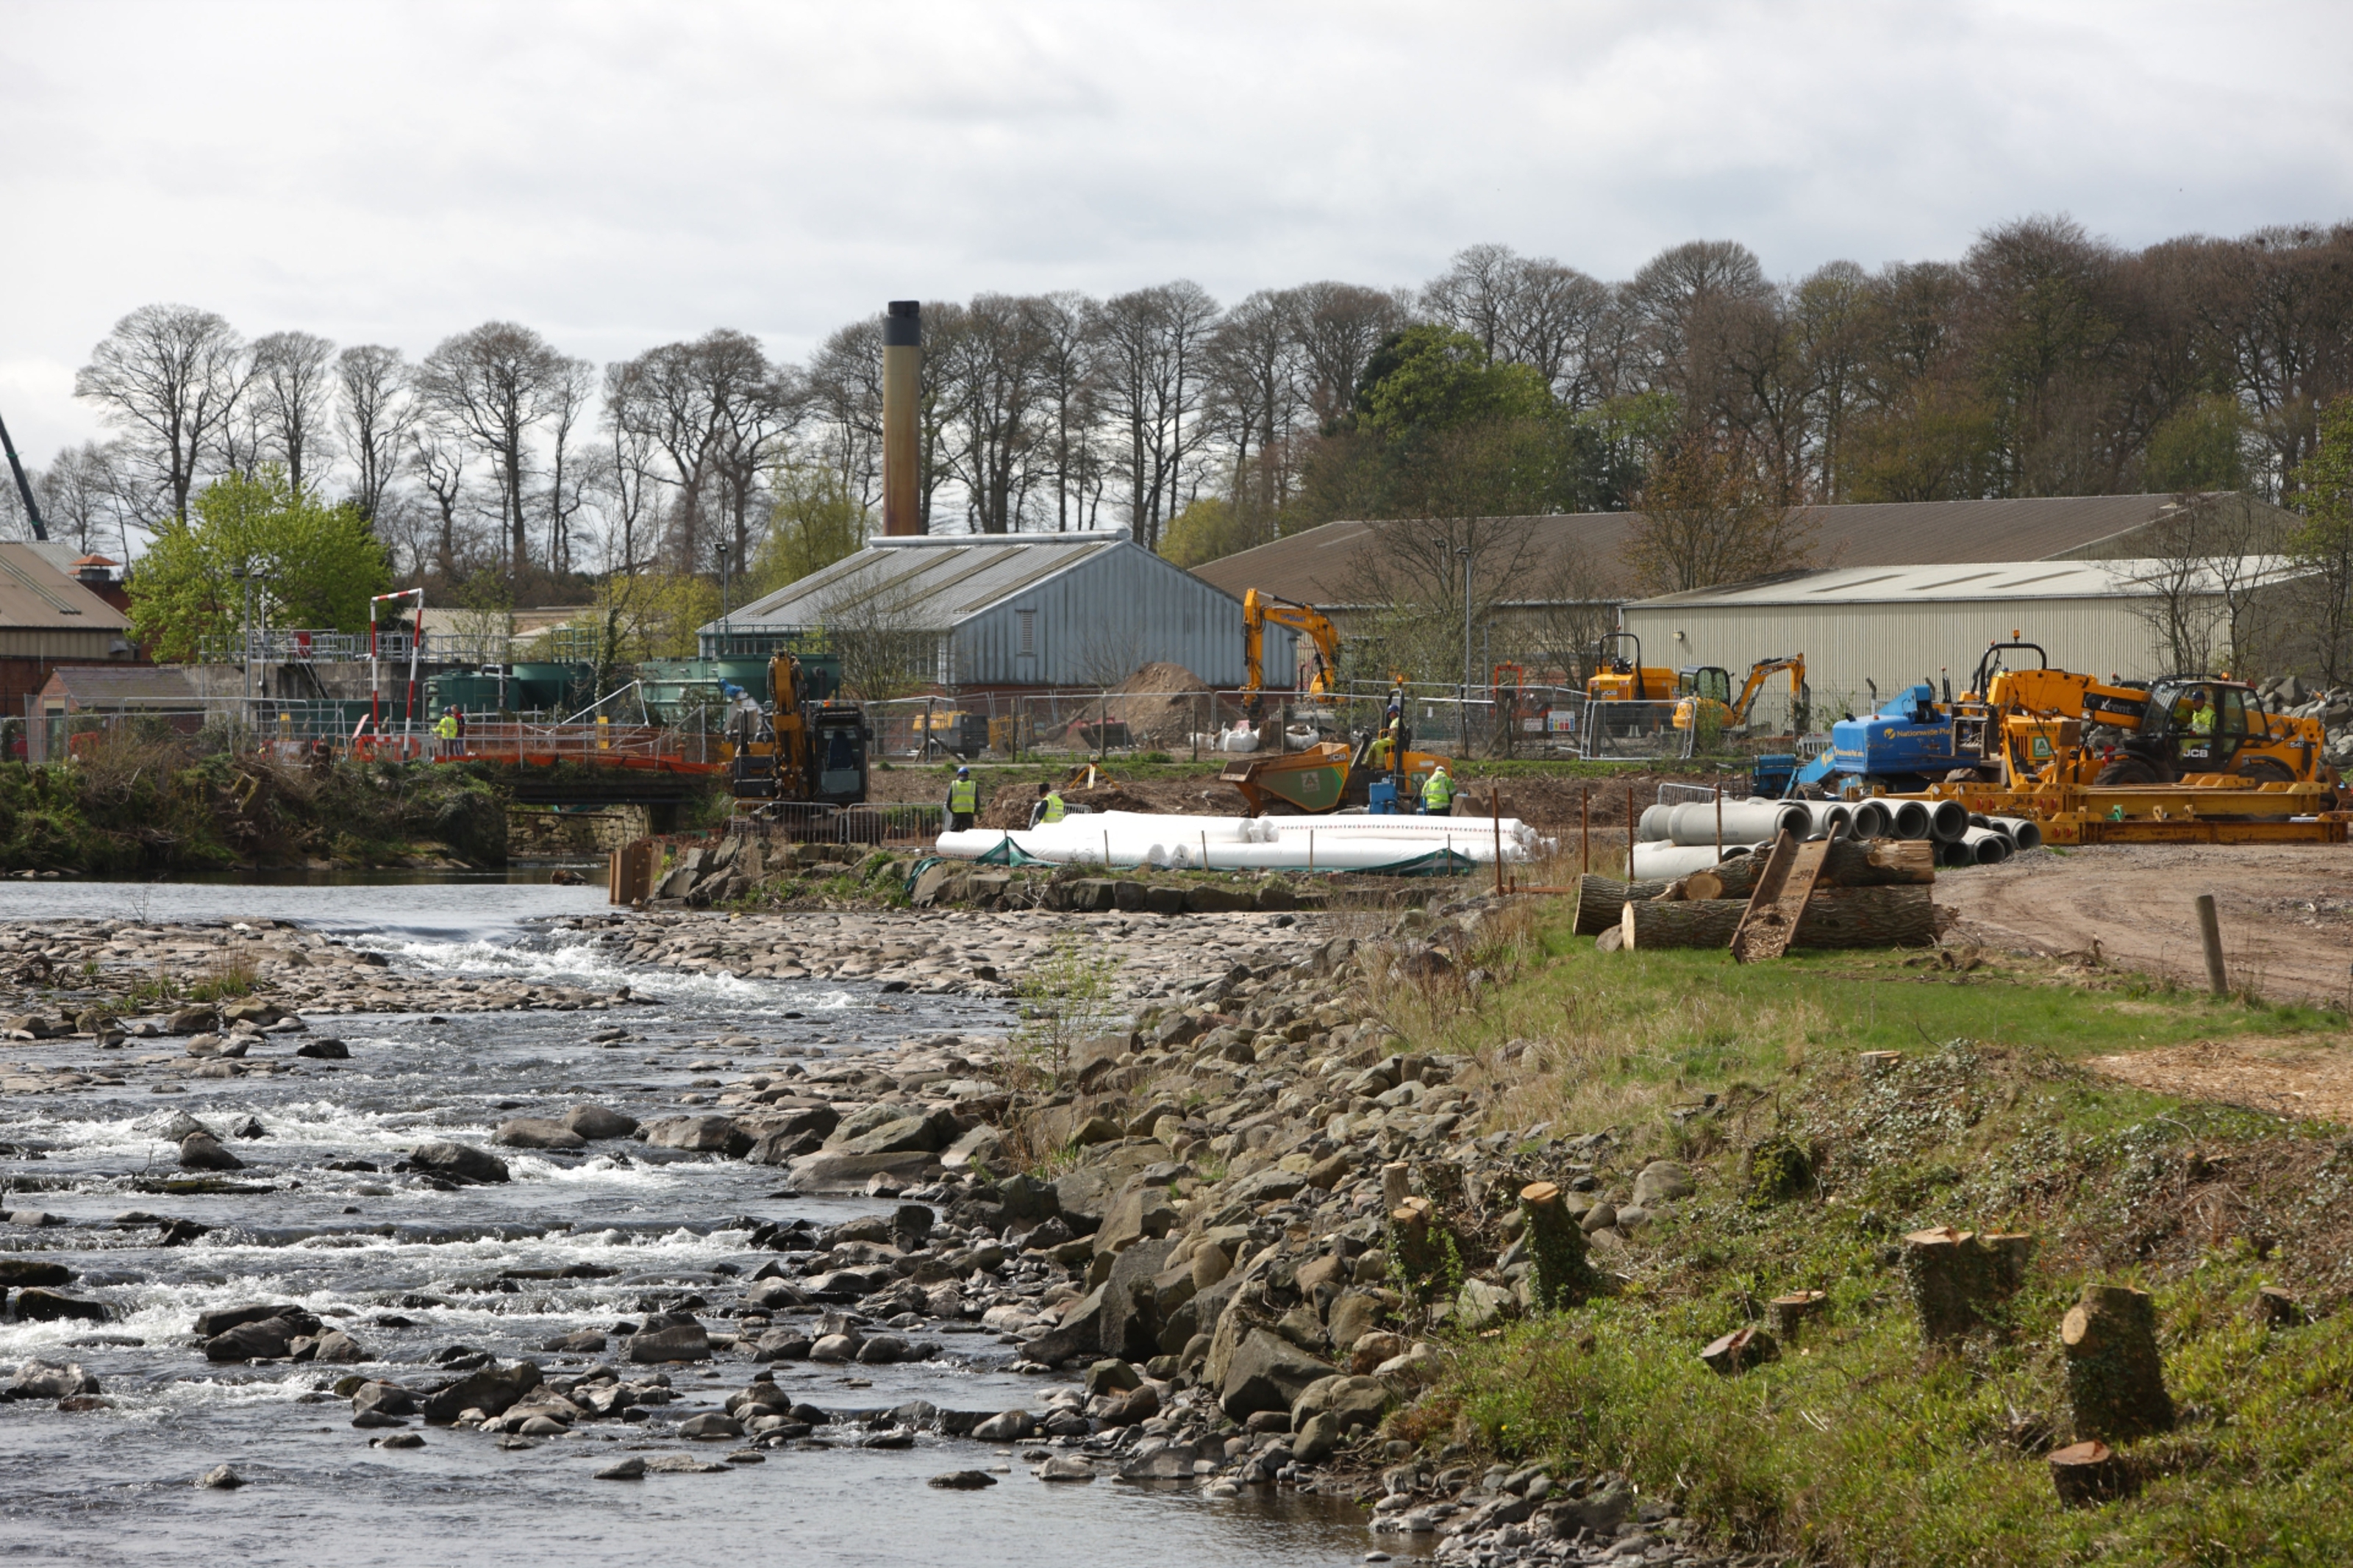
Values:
[(618, 176)]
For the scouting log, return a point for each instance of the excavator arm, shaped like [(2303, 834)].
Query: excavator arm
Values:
[(1763, 669), (1261, 609)]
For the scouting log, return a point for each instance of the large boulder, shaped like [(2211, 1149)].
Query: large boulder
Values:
[(699, 1134), (687, 1340), (538, 1132), (492, 1390), (456, 1161), (1661, 1180), (49, 1380), (1139, 1211), (266, 1338), (39, 1306), (1267, 1372), (200, 1151), (1355, 1401), (597, 1122), (20, 1272), (1080, 1332), (906, 1135), (831, 1171), (1131, 1311)]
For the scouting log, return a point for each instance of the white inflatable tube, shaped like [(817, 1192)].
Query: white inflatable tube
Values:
[(1344, 852)]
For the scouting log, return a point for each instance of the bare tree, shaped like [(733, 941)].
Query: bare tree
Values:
[(290, 397), (1704, 520), (570, 396), (2203, 564), (1256, 399), (373, 416), (496, 382), (1153, 345), (1674, 285), (81, 497), (170, 377), (1072, 399), (878, 630), (687, 399), (1340, 326), (627, 484), (438, 456), (845, 395), (989, 369)]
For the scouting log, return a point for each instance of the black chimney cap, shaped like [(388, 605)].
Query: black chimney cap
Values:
[(902, 324)]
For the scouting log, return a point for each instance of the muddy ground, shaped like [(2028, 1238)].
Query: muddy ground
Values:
[(2286, 912)]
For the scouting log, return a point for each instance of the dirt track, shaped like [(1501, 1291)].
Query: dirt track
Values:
[(2286, 912)]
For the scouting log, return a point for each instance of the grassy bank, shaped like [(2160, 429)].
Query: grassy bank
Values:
[(1860, 1445), (148, 808)]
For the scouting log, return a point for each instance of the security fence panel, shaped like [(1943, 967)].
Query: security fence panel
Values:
[(1633, 731)]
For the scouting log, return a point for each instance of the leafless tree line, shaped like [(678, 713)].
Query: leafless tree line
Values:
[(2042, 362)]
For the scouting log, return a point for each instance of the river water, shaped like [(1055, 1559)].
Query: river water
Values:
[(408, 1271)]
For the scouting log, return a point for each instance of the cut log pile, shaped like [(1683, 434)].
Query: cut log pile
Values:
[(1875, 893)]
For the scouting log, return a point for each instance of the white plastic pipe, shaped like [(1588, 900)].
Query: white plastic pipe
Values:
[(1984, 845), (1745, 822), (2024, 831), (1658, 861)]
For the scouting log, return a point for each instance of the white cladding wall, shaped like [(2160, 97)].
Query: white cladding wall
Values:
[(1896, 645), (1096, 623)]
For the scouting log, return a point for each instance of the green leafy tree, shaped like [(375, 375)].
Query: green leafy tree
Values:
[(1431, 378), (815, 523), (315, 565), (2202, 447), (2324, 546), (1202, 533)]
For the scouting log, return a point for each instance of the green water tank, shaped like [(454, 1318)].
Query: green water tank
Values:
[(558, 687), (465, 693)]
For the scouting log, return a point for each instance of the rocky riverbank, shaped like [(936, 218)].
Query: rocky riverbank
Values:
[(1204, 1235)]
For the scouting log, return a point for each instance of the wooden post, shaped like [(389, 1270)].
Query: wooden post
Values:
[(1585, 833), (2115, 1380), (1394, 1185), (1495, 811), (2275, 1308), (2210, 936), (1719, 821), (1629, 830), (1555, 1247)]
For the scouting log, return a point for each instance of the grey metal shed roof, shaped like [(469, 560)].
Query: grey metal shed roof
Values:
[(929, 583), (1964, 583)]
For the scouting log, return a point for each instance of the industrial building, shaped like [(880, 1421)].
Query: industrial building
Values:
[(1571, 568), (1860, 626), (1077, 611), (53, 612)]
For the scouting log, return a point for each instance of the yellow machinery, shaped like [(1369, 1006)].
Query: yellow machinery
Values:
[(1617, 677), (798, 750), (1706, 688), (1262, 610), (2028, 728)]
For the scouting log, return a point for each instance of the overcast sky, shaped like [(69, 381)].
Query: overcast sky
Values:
[(618, 175)]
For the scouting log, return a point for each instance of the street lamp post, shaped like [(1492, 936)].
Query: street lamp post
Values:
[(723, 650), (1463, 707)]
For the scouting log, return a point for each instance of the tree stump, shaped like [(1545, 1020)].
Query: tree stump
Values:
[(1414, 1255), (2115, 1380), (1686, 922), (1877, 1062), (1738, 1351), (1555, 1247), (1958, 1280), (1600, 900), (2275, 1308), (1702, 885), (1834, 918), (2086, 1473), (1395, 1185), (1791, 1312)]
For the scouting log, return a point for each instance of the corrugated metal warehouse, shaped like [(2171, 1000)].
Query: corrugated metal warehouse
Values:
[(49, 617), (1072, 611), (1861, 626)]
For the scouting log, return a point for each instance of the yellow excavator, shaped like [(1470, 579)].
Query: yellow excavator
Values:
[(1260, 610), (796, 750), (1706, 688)]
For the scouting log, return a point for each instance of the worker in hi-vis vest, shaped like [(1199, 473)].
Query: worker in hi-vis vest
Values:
[(964, 800), (448, 730), (1049, 807), (1438, 793)]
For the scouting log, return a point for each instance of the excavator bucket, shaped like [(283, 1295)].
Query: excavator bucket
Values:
[(1312, 781)]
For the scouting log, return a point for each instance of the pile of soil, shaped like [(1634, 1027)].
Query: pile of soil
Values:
[(1160, 704)]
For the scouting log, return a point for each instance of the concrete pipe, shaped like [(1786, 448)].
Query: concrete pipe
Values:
[(2022, 831), (1822, 815), (1665, 862), (1744, 821), (1954, 854), (1947, 820), (1986, 846), (1656, 825), (1873, 820), (1911, 819)]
